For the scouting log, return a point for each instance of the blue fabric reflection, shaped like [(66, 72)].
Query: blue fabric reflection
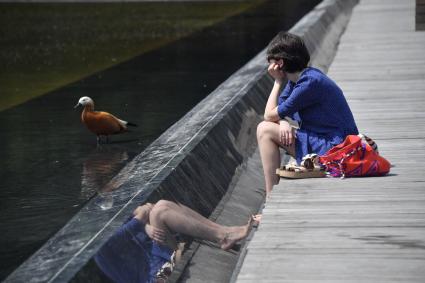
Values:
[(131, 256)]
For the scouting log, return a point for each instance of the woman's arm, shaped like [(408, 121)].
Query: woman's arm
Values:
[(271, 114), (305, 94)]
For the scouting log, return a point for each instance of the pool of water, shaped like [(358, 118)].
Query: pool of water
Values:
[(50, 164)]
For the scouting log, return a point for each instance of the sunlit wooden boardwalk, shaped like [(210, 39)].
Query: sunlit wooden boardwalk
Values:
[(364, 229)]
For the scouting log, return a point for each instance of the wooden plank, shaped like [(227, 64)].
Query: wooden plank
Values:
[(339, 268)]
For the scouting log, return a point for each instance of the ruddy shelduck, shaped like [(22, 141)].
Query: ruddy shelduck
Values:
[(101, 123)]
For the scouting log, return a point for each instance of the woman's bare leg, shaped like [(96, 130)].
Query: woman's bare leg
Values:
[(166, 215), (269, 144), (190, 212)]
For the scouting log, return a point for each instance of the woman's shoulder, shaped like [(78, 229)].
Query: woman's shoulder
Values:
[(315, 76), (312, 73), (309, 76)]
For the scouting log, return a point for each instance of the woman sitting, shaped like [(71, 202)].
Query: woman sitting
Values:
[(310, 98)]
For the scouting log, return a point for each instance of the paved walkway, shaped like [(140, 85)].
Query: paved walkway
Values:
[(364, 229)]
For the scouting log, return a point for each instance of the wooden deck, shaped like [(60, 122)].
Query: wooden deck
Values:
[(360, 229)]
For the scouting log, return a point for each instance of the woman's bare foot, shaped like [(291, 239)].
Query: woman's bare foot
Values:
[(235, 234), (256, 219)]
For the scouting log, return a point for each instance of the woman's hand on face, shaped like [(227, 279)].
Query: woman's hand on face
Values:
[(286, 136), (276, 72), (155, 234)]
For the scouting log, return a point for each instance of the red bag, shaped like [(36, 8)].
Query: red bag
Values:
[(354, 158)]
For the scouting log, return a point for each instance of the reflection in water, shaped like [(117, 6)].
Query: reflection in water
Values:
[(145, 245), (106, 201), (102, 163), (131, 256)]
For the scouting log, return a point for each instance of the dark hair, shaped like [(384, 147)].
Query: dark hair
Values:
[(291, 49)]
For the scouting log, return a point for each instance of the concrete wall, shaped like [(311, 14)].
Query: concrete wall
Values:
[(193, 162)]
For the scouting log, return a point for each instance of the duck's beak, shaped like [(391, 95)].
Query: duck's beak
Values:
[(78, 104)]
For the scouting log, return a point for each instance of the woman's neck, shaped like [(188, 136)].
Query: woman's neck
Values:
[(294, 77)]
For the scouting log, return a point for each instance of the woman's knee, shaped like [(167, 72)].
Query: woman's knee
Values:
[(263, 129), (163, 203), (160, 209)]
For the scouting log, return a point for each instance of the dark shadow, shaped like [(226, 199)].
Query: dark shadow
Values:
[(389, 175)]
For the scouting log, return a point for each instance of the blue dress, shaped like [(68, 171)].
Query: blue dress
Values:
[(320, 108), (131, 256)]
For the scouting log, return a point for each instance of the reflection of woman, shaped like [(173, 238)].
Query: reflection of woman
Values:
[(310, 97), (142, 245)]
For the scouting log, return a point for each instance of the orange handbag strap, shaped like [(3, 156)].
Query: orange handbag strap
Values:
[(370, 142)]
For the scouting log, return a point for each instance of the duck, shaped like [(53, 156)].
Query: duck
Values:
[(99, 122)]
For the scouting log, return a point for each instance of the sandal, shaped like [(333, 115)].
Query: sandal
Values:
[(310, 168)]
